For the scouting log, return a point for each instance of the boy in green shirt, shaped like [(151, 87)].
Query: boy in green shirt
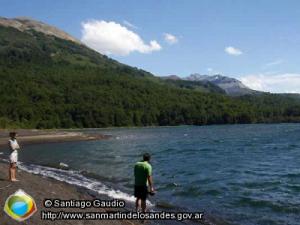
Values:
[(143, 179)]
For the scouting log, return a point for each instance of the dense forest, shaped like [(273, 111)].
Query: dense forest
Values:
[(47, 82)]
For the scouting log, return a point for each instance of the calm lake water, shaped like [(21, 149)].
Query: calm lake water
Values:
[(239, 174)]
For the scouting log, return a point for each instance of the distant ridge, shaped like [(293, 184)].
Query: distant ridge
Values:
[(231, 86), (26, 23)]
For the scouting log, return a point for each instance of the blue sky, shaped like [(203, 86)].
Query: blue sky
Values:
[(262, 38)]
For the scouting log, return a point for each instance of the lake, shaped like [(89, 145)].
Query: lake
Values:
[(238, 174)]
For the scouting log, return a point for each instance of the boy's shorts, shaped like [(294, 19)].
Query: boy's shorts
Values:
[(141, 192)]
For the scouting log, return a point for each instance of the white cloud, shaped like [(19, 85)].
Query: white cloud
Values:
[(170, 38), (274, 63), (278, 83), (113, 38), (233, 51), (130, 25), (209, 70)]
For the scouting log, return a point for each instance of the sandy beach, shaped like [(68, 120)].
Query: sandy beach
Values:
[(27, 137)]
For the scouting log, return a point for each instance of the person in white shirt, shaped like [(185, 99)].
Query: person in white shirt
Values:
[(13, 158)]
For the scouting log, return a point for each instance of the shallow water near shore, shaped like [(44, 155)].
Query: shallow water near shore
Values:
[(240, 174)]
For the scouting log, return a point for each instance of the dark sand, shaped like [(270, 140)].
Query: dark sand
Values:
[(41, 188)]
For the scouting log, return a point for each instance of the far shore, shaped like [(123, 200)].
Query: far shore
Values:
[(33, 136)]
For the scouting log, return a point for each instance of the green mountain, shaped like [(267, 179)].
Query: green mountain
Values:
[(49, 80)]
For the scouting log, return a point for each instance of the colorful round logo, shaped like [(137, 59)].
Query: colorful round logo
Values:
[(20, 206)]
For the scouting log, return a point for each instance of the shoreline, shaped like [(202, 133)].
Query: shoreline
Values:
[(41, 188), (77, 129), (34, 136)]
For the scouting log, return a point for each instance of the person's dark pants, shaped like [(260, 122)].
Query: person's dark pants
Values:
[(141, 192)]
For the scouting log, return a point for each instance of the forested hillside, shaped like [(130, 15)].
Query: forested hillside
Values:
[(47, 82)]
